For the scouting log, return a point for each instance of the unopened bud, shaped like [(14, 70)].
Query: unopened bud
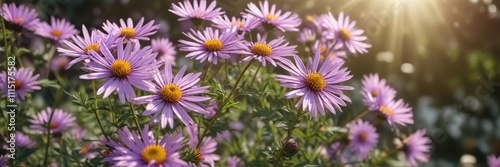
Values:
[(290, 148)]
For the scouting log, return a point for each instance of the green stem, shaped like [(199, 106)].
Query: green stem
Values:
[(111, 114), (56, 101), (96, 111), (136, 120), (291, 127), (223, 104), (205, 71), (361, 115), (255, 75)]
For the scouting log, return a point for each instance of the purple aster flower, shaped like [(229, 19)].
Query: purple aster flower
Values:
[(80, 47), (344, 33), (210, 44), (206, 150), (396, 112), (307, 36), (131, 150), (493, 161), (417, 148), (59, 63), (129, 31), (286, 21), (131, 67), (375, 91), (364, 138), (20, 15), (172, 94), (268, 52), (61, 121), (196, 11), (331, 152), (24, 82), (212, 109), (59, 29), (335, 51), (24, 141), (165, 49), (3, 160), (317, 85), (234, 161), (243, 25)]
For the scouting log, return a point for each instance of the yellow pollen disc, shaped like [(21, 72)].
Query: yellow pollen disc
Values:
[(84, 150), (362, 136), (53, 125), (322, 49), (385, 110), (315, 82), (261, 49), (55, 33), (18, 20), (270, 17), (120, 68), (127, 32), (94, 47), (344, 34), (322, 57), (197, 155), (154, 152), (375, 93), (237, 23), (213, 45), (310, 18), (171, 93), (18, 84)]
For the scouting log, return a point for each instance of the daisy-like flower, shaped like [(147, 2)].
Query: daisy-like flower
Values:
[(210, 44), (59, 63), (172, 94), (344, 33), (417, 148), (60, 121), (24, 141), (80, 48), (242, 25), (129, 31), (24, 82), (307, 36), (286, 21), (268, 52), (317, 84), (493, 161), (165, 49), (363, 138), (130, 68), (331, 152), (195, 11), (57, 30), (131, 150), (396, 112), (234, 161), (375, 91), (335, 51), (205, 154), (21, 16)]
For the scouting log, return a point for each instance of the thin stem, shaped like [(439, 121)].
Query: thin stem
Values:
[(219, 111), (291, 127), (56, 101), (205, 71), (96, 110), (136, 120), (111, 113), (365, 112), (51, 55), (255, 75)]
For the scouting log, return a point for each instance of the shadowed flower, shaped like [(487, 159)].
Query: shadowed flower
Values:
[(417, 148), (196, 11), (129, 31), (273, 18), (58, 63), (57, 30), (165, 49), (234, 161), (60, 121), (363, 138), (20, 15), (307, 36), (206, 153), (132, 150), (317, 84), (210, 44), (3, 160), (264, 52), (24, 82), (131, 67), (375, 91), (24, 141), (493, 161), (242, 25), (172, 94), (329, 49), (344, 33)]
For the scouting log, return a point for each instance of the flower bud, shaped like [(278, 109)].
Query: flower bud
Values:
[(290, 148)]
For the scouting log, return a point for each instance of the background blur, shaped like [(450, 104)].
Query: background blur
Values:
[(442, 56)]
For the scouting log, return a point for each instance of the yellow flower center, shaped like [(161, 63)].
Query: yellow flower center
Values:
[(310, 18), (18, 84), (18, 20), (375, 93), (213, 45), (94, 47), (55, 33), (344, 34), (171, 93), (315, 82), (261, 49), (270, 17), (237, 23), (362, 136), (84, 150), (127, 32), (154, 152), (120, 68), (53, 125), (385, 110), (197, 156)]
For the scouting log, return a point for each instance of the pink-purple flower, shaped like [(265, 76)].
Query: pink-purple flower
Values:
[(165, 49), (242, 25), (61, 121), (269, 16), (57, 30), (363, 138), (343, 32), (20, 83), (206, 153), (196, 10), (20, 15), (264, 52), (396, 112), (129, 31), (493, 161), (417, 148), (375, 91)]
